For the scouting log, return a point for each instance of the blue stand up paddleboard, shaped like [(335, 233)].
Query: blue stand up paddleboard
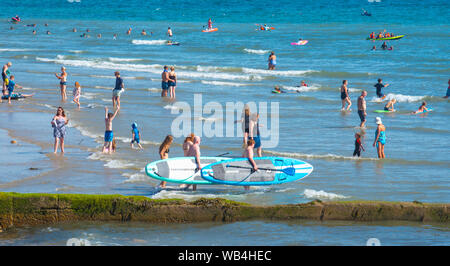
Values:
[(271, 171), (180, 170)]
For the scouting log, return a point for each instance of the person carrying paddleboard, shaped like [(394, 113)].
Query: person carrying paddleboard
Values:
[(164, 153), (194, 151)]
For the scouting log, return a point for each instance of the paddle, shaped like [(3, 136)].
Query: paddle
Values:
[(289, 171)]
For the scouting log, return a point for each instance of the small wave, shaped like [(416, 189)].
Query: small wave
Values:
[(77, 51), (313, 194), (277, 72), (399, 97), (118, 164), (135, 178), (15, 50), (170, 107), (328, 156), (252, 51), (301, 89), (223, 83), (154, 89), (149, 42), (88, 95), (128, 140), (115, 59)]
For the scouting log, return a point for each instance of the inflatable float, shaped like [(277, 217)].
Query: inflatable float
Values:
[(302, 42), (386, 38)]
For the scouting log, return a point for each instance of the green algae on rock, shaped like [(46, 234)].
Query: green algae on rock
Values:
[(18, 209)]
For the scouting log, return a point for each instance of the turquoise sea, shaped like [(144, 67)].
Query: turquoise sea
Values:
[(230, 66)]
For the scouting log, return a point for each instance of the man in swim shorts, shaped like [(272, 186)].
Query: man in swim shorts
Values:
[(165, 82), (272, 61), (379, 86), (109, 117), (362, 108), (448, 90), (117, 91)]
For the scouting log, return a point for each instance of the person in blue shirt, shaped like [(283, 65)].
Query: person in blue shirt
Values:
[(136, 135), (11, 86)]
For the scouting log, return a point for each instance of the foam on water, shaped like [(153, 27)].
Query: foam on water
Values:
[(314, 194), (399, 97), (149, 42), (119, 164), (224, 83), (255, 51)]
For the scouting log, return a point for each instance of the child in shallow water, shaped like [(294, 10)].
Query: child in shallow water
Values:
[(136, 135), (422, 108), (390, 105), (77, 94), (358, 145)]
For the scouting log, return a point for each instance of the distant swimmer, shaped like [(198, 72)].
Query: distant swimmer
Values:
[(169, 32), (422, 108), (34, 32), (365, 13), (272, 61), (278, 90), (99, 35), (448, 90), (129, 31), (379, 86), (345, 98), (31, 25), (384, 46), (143, 33), (303, 84), (374, 48), (74, 30), (390, 105), (48, 32), (62, 82), (115, 37)]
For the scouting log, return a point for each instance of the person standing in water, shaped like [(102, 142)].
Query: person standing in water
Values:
[(59, 123), (165, 82), (248, 153), (358, 145), (379, 86), (169, 32), (164, 153), (272, 61), (245, 120), (5, 75), (62, 83), (345, 98), (136, 136), (172, 82), (117, 91), (76, 94), (362, 108), (380, 138), (109, 117)]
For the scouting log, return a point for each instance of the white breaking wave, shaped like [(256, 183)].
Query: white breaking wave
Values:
[(136, 178), (313, 194), (15, 50), (76, 51), (399, 97), (115, 59), (276, 72), (223, 83), (149, 42), (301, 89), (118, 164), (170, 107), (128, 140), (155, 69), (252, 51)]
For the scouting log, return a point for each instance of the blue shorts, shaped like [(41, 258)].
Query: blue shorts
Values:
[(109, 136), (165, 85), (135, 140), (172, 84), (257, 140), (448, 92)]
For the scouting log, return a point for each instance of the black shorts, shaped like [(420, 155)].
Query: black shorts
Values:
[(4, 76), (357, 152), (361, 115), (343, 95)]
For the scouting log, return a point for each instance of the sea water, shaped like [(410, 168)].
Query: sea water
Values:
[(230, 66)]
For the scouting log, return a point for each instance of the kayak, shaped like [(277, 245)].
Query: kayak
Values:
[(211, 30), (387, 38), (303, 42), (269, 28)]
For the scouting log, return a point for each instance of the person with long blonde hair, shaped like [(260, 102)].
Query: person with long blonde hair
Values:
[(164, 153), (172, 82)]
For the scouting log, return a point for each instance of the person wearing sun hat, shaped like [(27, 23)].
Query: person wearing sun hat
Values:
[(380, 137)]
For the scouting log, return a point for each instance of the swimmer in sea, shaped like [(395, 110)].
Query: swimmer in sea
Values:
[(115, 37), (374, 48), (422, 108), (169, 32), (390, 105), (143, 33), (303, 84), (129, 31), (34, 32), (379, 86), (384, 46)]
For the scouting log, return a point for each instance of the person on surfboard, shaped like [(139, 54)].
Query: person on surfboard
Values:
[(390, 105), (248, 153), (422, 108), (379, 86)]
